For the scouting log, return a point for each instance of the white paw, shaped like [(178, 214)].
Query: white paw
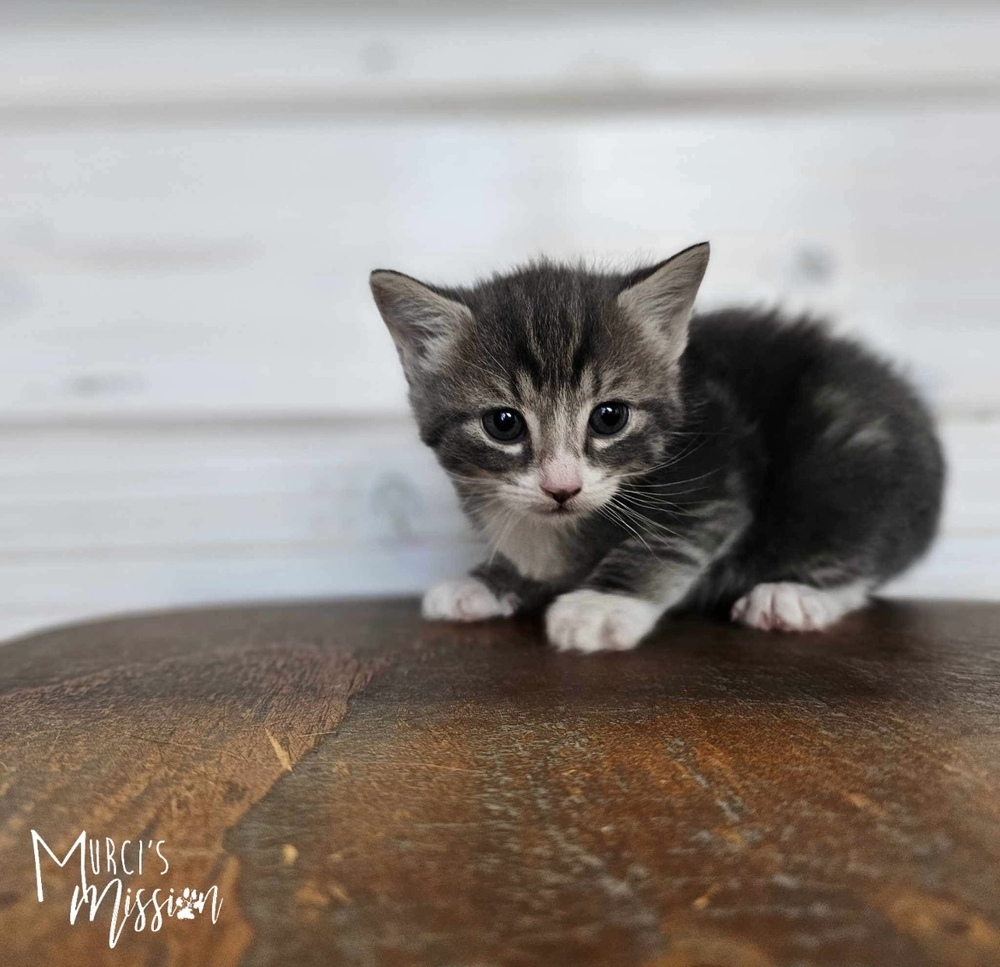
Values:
[(590, 621), (466, 599), (795, 607)]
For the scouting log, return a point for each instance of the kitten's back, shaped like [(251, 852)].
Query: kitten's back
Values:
[(849, 454)]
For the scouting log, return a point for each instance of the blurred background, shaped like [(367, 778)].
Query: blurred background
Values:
[(198, 401)]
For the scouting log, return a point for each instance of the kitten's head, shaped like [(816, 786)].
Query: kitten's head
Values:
[(541, 391)]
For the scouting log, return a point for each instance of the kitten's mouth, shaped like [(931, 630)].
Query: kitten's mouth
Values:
[(558, 510)]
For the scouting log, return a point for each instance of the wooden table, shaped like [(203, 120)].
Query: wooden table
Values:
[(366, 789)]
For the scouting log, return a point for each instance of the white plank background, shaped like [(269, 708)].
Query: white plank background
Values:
[(197, 400)]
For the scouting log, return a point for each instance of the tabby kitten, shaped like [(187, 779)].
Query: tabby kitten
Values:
[(624, 459)]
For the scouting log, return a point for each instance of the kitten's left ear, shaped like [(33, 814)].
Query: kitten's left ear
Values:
[(663, 298)]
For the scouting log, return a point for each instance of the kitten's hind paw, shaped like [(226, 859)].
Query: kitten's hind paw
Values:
[(591, 621), (796, 607), (466, 599)]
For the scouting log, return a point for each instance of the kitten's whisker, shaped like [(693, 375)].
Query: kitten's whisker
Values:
[(653, 529), (653, 502), (661, 508), (690, 448), (637, 516), (614, 515), (675, 483), (680, 493), (640, 493)]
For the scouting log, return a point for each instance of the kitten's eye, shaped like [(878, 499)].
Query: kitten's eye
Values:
[(507, 426), (608, 418)]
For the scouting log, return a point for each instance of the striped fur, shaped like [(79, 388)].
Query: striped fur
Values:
[(757, 451)]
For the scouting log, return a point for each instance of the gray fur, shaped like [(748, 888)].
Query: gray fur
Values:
[(757, 449)]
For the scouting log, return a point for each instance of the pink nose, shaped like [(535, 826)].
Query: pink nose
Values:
[(560, 478), (561, 495)]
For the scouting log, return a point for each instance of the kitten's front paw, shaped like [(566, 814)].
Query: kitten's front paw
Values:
[(466, 599), (590, 621), (786, 606)]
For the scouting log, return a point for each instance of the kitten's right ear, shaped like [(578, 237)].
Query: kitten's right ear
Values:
[(422, 322)]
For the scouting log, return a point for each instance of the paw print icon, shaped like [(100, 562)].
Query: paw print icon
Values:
[(188, 904)]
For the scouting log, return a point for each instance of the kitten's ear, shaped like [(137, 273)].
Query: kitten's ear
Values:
[(663, 297), (421, 321)]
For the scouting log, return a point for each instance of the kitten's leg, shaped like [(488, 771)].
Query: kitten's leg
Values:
[(589, 620), (492, 590), (635, 584), (785, 606), (466, 599)]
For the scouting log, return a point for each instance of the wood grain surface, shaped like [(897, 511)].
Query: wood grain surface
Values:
[(369, 790)]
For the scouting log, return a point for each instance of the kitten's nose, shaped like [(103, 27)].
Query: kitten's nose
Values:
[(560, 477), (561, 495)]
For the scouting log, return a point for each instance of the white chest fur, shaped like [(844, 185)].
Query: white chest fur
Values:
[(539, 550)]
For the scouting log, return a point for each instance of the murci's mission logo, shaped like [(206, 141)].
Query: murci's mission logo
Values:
[(111, 865)]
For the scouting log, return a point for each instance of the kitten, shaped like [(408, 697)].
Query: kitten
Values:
[(625, 460)]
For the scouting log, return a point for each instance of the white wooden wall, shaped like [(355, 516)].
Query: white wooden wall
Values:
[(197, 399)]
